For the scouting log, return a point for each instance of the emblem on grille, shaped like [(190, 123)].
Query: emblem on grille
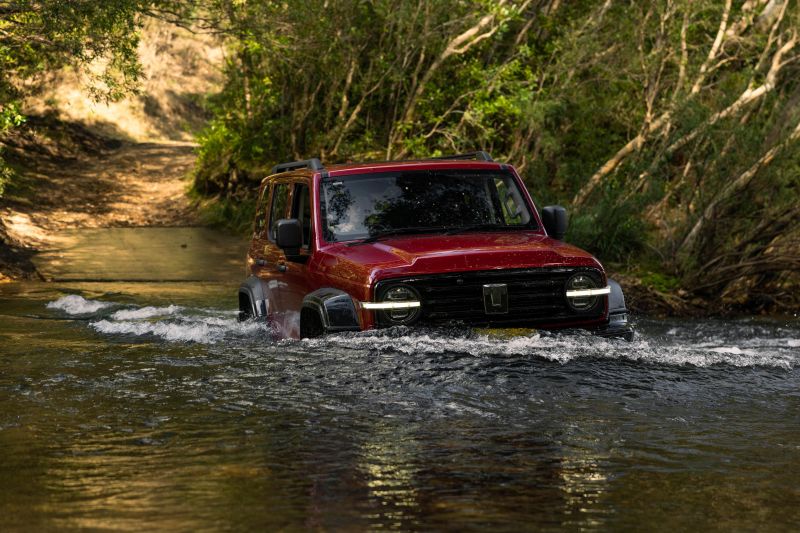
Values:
[(495, 298)]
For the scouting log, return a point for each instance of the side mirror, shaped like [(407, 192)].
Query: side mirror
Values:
[(554, 218), (289, 237)]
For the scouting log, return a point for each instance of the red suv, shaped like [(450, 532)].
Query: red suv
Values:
[(446, 241)]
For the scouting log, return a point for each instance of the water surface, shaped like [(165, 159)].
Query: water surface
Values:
[(146, 405)]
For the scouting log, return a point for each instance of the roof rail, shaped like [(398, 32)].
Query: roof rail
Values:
[(313, 164), (480, 155)]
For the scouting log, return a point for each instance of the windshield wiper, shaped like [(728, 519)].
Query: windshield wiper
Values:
[(474, 227), (398, 231)]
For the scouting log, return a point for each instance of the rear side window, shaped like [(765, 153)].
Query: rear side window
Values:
[(261, 212), (301, 210), (280, 199)]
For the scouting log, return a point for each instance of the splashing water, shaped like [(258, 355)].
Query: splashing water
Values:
[(73, 304), (706, 344), (172, 323)]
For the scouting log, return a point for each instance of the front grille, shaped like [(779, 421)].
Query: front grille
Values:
[(535, 297)]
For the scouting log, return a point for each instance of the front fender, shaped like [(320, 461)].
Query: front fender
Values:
[(336, 309)]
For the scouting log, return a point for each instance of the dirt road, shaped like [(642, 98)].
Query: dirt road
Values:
[(132, 185)]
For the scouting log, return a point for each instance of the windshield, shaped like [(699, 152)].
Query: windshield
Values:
[(368, 205)]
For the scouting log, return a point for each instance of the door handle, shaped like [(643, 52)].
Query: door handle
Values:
[(282, 267)]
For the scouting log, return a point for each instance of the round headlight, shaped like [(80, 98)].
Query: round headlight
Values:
[(399, 294), (580, 282)]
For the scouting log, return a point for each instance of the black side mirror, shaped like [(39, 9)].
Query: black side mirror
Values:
[(289, 237), (554, 218)]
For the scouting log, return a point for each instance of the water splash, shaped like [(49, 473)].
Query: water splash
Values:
[(673, 350), (735, 343), (203, 330), (73, 304), (146, 312), (171, 323)]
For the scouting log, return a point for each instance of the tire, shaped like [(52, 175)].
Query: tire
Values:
[(310, 324), (245, 308)]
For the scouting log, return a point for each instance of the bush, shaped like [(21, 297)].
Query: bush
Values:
[(611, 232)]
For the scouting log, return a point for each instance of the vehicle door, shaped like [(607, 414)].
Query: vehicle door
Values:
[(295, 275), (265, 251)]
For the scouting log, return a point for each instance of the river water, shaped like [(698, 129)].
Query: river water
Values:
[(132, 399)]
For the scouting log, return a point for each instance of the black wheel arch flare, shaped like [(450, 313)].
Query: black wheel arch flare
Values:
[(336, 309)]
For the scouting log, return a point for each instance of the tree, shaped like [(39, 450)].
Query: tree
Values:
[(42, 35)]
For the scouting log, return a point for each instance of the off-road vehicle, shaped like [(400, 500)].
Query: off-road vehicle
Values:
[(445, 241)]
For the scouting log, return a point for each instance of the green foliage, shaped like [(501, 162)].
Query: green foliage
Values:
[(37, 36), (6, 174), (361, 85), (611, 231), (659, 281), (10, 117), (229, 212)]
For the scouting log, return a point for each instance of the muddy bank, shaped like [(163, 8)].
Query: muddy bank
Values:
[(71, 177)]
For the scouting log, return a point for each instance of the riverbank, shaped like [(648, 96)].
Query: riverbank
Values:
[(68, 177)]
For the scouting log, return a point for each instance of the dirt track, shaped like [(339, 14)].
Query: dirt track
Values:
[(132, 185)]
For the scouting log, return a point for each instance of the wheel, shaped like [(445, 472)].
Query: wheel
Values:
[(245, 308), (310, 324)]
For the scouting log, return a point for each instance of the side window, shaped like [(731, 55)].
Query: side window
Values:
[(261, 212), (280, 199), (301, 210)]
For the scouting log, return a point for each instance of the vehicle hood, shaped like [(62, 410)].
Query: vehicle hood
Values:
[(428, 254)]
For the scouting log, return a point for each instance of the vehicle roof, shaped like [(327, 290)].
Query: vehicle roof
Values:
[(422, 164), (344, 169)]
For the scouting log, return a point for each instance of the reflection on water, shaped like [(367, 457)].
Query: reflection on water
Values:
[(147, 406)]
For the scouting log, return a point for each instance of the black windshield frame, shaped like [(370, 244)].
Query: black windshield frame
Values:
[(525, 209)]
